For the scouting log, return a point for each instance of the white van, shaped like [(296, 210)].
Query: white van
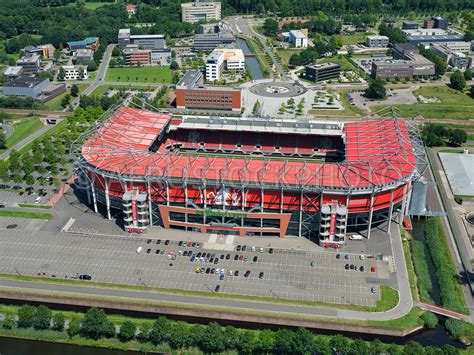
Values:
[(356, 237), (37, 200)]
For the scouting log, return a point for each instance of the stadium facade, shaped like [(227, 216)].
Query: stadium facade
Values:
[(249, 176)]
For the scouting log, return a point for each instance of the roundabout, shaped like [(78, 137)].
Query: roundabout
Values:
[(278, 89)]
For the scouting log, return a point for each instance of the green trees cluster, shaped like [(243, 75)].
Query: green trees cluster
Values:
[(18, 102), (435, 135), (457, 81), (310, 54), (376, 90), (211, 338), (395, 35), (446, 274)]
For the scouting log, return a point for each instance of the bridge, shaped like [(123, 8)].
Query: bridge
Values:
[(441, 311)]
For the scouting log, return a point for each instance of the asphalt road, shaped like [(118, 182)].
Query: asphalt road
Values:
[(8, 129), (26, 141)]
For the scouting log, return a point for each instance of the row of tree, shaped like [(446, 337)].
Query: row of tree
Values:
[(436, 135), (211, 338)]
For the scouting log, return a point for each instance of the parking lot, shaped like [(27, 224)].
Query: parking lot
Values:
[(289, 274)]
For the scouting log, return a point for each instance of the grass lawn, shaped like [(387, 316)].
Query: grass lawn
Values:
[(99, 91), (140, 74), (339, 59), (452, 104), (358, 37), (21, 214), (388, 300), (21, 130), (349, 110), (93, 5), (28, 205), (285, 54), (55, 104)]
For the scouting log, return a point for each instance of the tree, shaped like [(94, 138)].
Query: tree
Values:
[(270, 27), (74, 90), (232, 337), (180, 336), (95, 324), (340, 344), (213, 338), (91, 66), (65, 100), (27, 163), (30, 180), (3, 140), (376, 90), (74, 327), (429, 320), (304, 341), (174, 65), (4, 173), (282, 108), (127, 331), (160, 331), (116, 52), (468, 75), (42, 318), (61, 74), (248, 342), (413, 348), (359, 347), (256, 107), (266, 341), (457, 136), (457, 81), (471, 92), (144, 333), (284, 341), (58, 321), (9, 323), (26, 316)]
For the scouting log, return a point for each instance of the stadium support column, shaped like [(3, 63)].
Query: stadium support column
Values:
[(150, 206), (107, 198), (300, 224), (205, 204), (371, 213), (348, 201), (186, 202), (390, 212), (404, 202), (94, 198), (242, 202)]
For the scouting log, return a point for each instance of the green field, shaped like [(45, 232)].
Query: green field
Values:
[(21, 214), (358, 37), (93, 5), (21, 130), (285, 54), (452, 104), (140, 75)]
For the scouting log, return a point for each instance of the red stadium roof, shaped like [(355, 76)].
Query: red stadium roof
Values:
[(377, 152)]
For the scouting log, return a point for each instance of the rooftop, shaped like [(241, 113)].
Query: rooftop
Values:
[(25, 82), (12, 71), (190, 78), (323, 65), (378, 153), (297, 34), (84, 42)]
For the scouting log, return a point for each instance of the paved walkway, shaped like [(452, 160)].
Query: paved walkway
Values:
[(442, 311), (52, 201)]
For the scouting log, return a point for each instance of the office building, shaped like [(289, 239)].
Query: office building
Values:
[(26, 86), (13, 72), (30, 63), (224, 59), (409, 25), (322, 72), (142, 41), (376, 41), (428, 24), (412, 65), (461, 46), (403, 50), (389, 22), (200, 11), (51, 91), (440, 22), (298, 39), (132, 55), (192, 94), (75, 72), (91, 43), (210, 41), (83, 56), (456, 59), (214, 65), (209, 28)]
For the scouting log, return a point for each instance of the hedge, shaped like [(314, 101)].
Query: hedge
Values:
[(421, 269)]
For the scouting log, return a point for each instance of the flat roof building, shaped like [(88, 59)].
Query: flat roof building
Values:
[(376, 41), (132, 55), (298, 39), (27, 86), (409, 25), (75, 72), (224, 59), (413, 65), (83, 55), (200, 11), (13, 72), (210, 41), (30, 63), (403, 50), (192, 94), (322, 72), (154, 41)]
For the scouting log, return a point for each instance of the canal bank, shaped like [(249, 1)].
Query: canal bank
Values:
[(251, 61)]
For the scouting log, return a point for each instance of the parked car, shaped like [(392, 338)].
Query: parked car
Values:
[(261, 275), (217, 289), (148, 241), (247, 273), (239, 247), (270, 251), (338, 256), (236, 257), (255, 258), (84, 277), (227, 257), (236, 273), (346, 266), (216, 261), (362, 268)]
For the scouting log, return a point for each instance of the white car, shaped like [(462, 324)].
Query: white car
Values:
[(253, 248), (139, 250), (362, 257), (261, 250), (356, 237)]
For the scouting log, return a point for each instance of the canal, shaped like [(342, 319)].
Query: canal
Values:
[(251, 62)]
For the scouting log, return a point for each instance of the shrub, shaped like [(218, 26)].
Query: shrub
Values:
[(42, 318), (429, 319), (127, 331), (456, 327), (26, 316), (58, 321), (421, 269), (9, 323)]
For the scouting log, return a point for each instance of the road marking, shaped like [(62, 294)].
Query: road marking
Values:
[(68, 225)]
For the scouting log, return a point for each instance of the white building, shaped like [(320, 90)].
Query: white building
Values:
[(73, 72), (376, 41), (200, 11), (224, 59), (298, 39)]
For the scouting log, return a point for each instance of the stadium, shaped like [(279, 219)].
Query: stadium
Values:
[(249, 176)]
